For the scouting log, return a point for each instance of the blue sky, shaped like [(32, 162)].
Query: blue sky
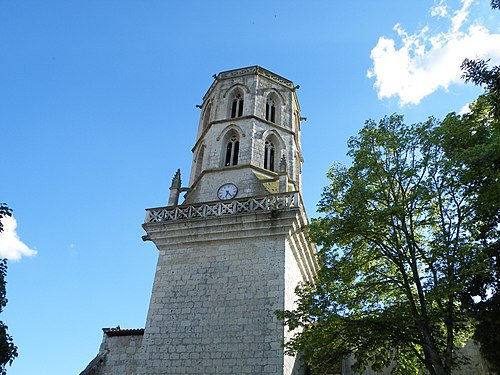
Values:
[(97, 111)]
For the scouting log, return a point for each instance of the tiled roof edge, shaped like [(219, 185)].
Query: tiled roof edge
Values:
[(123, 331)]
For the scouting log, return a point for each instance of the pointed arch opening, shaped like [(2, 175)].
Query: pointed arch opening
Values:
[(199, 161), (206, 115), (271, 111), (269, 155), (273, 149), (236, 103), (231, 149)]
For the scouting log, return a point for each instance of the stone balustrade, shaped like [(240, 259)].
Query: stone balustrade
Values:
[(220, 208)]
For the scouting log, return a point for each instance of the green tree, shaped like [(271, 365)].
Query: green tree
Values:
[(395, 257), (481, 155), (8, 351), (4, 211), (478, 72), (473, 141)]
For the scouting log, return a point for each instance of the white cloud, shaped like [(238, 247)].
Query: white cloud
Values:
[(439, 10), (464, 110), (427, 61), (11, 246)]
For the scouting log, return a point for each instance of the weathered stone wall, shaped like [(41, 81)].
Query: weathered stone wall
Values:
[(252, 127), (292, 278), (476, 364), (206, 189), (218, 284), (253, 134), (117, 354)]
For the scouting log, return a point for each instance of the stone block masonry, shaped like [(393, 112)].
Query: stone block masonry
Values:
[(214, 297), (117, 354)]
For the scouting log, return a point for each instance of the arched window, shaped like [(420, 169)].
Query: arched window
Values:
[(270, 110), (237, 105), (269, 155), (232, 150), (206, 115), (199, 161)]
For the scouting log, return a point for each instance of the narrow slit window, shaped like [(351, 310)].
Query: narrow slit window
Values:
[(232, 151), (233, 108), (199, 161), (270, 110), (229, 150), (269, 152), (206, 116), (236, 152), (237, 106)]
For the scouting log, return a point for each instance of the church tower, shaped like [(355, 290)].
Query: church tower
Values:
[(248, 136), (234, 250)]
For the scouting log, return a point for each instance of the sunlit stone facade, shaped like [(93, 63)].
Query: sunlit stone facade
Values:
[(233, 251)]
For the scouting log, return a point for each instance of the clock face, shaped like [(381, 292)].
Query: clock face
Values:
[(227, 191)]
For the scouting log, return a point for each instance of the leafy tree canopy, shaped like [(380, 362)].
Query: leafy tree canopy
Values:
[(4, 211), (8, 351), (478, 72), (473, 142), (482, 161), (397, 253)]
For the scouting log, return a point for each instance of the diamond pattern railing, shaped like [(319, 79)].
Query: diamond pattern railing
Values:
[(235, 206)]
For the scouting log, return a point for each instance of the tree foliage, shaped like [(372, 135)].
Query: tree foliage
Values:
[(8, 351), (473, 141), (4, 211), (397, 254), (480, 153), (478, 72)]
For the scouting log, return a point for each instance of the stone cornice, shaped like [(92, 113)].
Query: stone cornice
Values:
[(255, 70), (250, 70), (248, 225)]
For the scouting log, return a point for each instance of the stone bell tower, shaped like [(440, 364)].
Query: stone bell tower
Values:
[(248, 135), (234, 250)]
